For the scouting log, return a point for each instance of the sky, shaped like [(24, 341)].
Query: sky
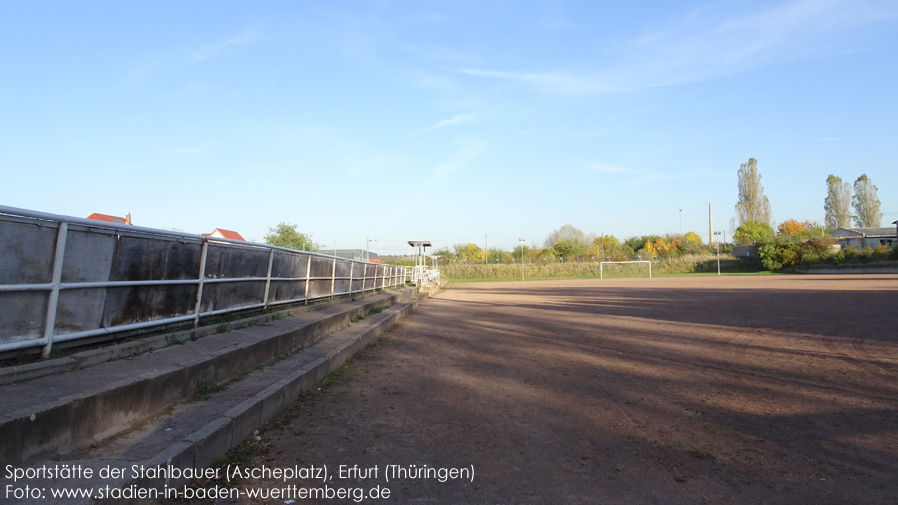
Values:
[(449, 121)]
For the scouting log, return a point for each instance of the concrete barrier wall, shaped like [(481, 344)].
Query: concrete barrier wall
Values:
[(64, 278)]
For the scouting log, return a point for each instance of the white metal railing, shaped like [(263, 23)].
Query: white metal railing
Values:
[(344, 277), (423, 276)]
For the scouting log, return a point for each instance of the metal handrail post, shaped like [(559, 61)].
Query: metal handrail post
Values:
[(308, 274), (199, 288), (334, 275), (56, 281), (268, 277), (351, 268)]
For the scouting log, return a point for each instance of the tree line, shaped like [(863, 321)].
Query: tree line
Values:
[(754, 206), (570, 244), (804, 242)]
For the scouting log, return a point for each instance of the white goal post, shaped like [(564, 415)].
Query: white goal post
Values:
[(602, 266)]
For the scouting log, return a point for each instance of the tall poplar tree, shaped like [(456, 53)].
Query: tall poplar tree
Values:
[(838, 203), (752, 204), (866, 203)]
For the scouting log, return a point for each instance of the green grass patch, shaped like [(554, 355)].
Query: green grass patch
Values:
[(205, 389)]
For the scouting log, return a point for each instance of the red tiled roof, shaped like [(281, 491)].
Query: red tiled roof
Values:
[(106, 217), (222, 233)]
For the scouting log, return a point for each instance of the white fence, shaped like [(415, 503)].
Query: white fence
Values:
[(65, 278)]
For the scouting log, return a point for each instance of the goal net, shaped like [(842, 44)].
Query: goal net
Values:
[(625, 268)]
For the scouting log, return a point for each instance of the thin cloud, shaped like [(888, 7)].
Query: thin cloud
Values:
[(454, 120), (558, 81), (703, 45), (700, 47), (459, 160), (198, 149), (213, 50)]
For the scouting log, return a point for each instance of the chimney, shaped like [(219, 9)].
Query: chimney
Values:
[(128, 218)]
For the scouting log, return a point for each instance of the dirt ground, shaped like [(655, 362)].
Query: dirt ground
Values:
[(758, 389)]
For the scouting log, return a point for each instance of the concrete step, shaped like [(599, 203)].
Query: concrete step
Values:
[(62, 415), (155, 457)]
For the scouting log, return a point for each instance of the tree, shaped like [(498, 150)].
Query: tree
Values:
[(692, 238), (866, 203), (838, 203), (752, 205), (660, 246), (691, 243), (636, 244), (568, 248), (610, 247), (286, 235), (752, 232), (468, 252), (791, 228), (567, 233)]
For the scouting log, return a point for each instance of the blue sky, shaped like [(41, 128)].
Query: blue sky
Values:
[(446, 121)]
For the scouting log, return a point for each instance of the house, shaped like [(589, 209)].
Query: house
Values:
[(222, 233), (863, 238), (96, 216)]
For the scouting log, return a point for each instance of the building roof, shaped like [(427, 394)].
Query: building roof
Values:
[(96, 216), (864, 232), (222, 233)]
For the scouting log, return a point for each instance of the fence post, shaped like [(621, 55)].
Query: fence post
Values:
[(56, 279), (268, 277), (308, 274), (199, 288), (351, 268), (334, 274)]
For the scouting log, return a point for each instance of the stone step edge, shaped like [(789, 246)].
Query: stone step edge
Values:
[(19, 426), (207, 444)]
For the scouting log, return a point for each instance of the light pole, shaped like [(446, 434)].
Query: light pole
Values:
[(521, 240), (717, 243), (368, 247)]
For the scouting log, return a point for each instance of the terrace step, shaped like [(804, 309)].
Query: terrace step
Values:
[(73, 413)]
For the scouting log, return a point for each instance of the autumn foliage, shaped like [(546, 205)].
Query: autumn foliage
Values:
[(792, 228)]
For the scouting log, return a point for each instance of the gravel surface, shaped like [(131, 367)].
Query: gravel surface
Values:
[(756, 389)]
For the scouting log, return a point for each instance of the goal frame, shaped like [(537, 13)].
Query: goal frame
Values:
[(602, 266)]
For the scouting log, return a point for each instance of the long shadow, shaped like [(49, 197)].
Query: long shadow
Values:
[(536, 391), (857, 313)]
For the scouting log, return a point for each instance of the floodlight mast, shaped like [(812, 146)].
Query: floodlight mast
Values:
[(521, 240), (368, 248)]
